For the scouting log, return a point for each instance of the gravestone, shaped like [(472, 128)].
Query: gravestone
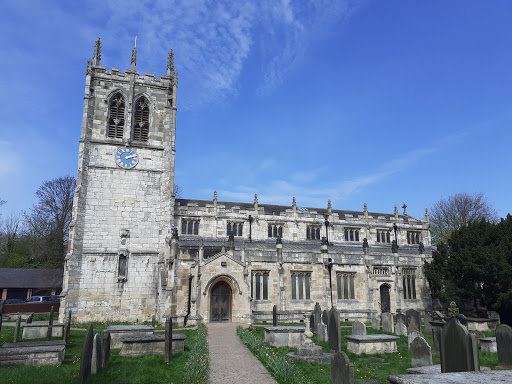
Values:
[(68, 327), (17, 330), (274, 316), (462, 320), (400, 318), (458, 350), (387, 322), (50, 326), (504, 344), (478, 335), (168, 339), (376, 323), (426, 322), (437, 328), (153, 321), (85, 364), (325, 317), (96, 354), (411, 336), (317, 318), (30, 318), (358, 328), (322, 332), (413, 320), (106, 349), (333, 330), (421, 353), (342, 370), (400, 329)]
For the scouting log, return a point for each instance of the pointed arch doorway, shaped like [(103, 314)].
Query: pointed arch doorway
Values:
[(220, 302)]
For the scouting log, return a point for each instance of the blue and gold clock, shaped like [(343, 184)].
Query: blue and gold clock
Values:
[(126, 158)]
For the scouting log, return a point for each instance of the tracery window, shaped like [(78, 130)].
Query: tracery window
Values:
[(275, 230), (259, 285), (313, 233), (301, 285), (190, 227), (141, 120), (383, 236), (409, 283), (235, 228), (351, 234), (116, 116), (345, 285)]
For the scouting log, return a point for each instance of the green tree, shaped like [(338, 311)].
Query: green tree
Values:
[(454, 212), (475, 266)]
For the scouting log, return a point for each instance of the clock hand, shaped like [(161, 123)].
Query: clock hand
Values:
[(129, 157)]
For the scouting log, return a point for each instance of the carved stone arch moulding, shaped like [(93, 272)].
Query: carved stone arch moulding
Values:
[(230, 280)]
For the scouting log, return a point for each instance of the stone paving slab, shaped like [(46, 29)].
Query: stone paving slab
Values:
[(230, 361)]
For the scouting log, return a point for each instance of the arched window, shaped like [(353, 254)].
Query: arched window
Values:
[(141, 120), (116, 116)]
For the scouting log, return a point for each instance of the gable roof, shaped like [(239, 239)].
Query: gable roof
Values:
[(30, 278)]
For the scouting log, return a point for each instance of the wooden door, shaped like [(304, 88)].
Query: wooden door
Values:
[(385, 300), (220, 302)]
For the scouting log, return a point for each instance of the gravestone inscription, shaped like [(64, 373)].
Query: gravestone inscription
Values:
[(421, 353), (358, 328), (411, 336)]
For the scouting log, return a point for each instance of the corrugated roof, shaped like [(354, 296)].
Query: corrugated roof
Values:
[(30, 278)]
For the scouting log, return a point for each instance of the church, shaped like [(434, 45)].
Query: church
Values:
[(136, 251)]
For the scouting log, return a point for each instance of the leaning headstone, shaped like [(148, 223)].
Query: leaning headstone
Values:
[(413, 320), (105, 347), (504, 344), (325, 317), (274, 316), (50, 326), (342, 370), (400, 329), (426, 323), (30, 318), (421, 353), (376, 323), (317, 317), (168, 339), (85, 364), (358, 328), (387, 322), (333, 330), (17, 329), (411, 336), (96, 355), (458, 350)]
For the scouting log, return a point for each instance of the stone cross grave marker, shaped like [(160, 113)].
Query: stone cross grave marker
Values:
[(376, 323), (334, 330), (504, 344), (168, 339), (96, 355), (358, 328), (400, 329), (17, 329), (411, 336), (421, 352), (106, 349), (458, 349), (85, 364), (413, 320), (387, 322), (342, 370), (317, 315), (50, 326), (274, 316)]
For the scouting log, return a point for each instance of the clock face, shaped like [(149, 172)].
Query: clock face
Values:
[(126, 158)]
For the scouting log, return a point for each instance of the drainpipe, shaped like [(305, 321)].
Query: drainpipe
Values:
[(190, 277)]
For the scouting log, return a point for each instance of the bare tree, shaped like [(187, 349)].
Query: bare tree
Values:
[(49, 219), (178, 192), (454, 212), (10, 229)]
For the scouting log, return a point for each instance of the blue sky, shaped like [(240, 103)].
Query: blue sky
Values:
[(384, 102)]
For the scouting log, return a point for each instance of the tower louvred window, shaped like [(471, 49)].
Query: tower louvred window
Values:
[(116, 117), (141, 120)]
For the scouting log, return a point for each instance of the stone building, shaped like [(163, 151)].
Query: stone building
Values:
[(136, 251)]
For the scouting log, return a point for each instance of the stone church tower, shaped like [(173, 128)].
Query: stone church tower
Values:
[(123, 204)]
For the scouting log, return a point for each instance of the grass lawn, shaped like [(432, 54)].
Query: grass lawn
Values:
[(367, 368), (125, 370)]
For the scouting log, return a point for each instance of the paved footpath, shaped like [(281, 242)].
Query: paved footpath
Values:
[(231, 362)]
